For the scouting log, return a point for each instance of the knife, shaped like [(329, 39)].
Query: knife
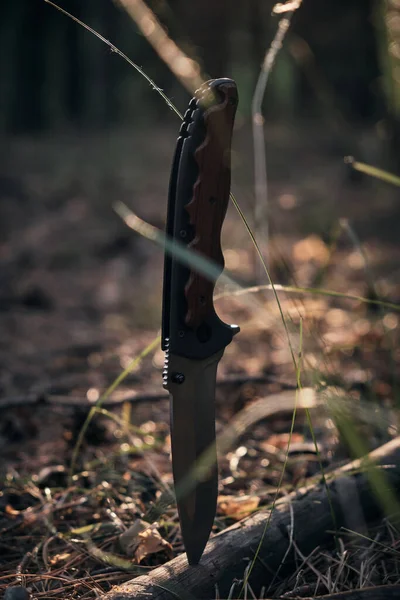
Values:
[(193, 336)]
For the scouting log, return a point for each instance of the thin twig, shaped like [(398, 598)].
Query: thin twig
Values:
[(83, 402), (260, 164), (114, 48)]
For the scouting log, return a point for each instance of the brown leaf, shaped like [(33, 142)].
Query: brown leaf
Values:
[(12, 512), (237, 507), (57, 558), (311, 248), (150, 543), (281, 440), (143, 539)]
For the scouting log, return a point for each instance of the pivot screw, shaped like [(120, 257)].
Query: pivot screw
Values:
[(177, 378), (183, 233)]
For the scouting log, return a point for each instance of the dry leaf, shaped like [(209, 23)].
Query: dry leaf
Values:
[(57, 558), (311, 248), (129, 540), (281, 440), (29, 515), (12, 512), (150, 543), (237, 507), (143, 539)]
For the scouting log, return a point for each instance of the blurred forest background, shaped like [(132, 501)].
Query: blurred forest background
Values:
[(342, 56)]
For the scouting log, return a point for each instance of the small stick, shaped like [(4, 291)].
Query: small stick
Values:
[(261, 217), (82, 402)]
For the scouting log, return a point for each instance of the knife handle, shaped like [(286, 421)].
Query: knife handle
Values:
[(209, 204)]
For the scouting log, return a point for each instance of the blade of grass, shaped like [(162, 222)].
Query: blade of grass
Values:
[(373, 171), (271, 284), (322, 470), (134, 363), (308, 290), (261, 216), (383, 547), (266, 527), (371, 282), (359, 448), (113, 559)]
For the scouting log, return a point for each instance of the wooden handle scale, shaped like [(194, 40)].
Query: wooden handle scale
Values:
[(197, 203), (209, 204)]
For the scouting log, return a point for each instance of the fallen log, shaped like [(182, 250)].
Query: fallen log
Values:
[(380, 592), (304, 516)]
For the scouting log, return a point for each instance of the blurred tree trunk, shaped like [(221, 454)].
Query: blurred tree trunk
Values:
[(258, 32), (341, 37), (55, 65), (94, 58), (388, 35), (73, 74), (54, 74), (206, 26), (10, 18), (111, 30), (28, 25)]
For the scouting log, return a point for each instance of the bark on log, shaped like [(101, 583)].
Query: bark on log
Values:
[(308, 511), (381, 592)]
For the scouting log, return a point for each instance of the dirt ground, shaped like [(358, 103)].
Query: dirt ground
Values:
[(80, 297)]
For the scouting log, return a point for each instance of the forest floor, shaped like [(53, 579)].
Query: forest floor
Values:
[(80, 298)]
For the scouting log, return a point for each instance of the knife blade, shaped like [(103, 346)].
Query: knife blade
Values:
[(193, 336)]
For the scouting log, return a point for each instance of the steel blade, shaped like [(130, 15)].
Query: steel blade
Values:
[(194, 457)]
